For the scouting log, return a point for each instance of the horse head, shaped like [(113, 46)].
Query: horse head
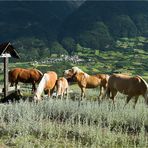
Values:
[(37, 97), (72, 72), (68, 73)]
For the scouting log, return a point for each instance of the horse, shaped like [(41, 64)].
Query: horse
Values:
[(132, 86), (85, 80), (47, 84), (62, 87), (32, 76)]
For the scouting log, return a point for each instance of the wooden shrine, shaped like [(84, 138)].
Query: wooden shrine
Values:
[(7, 51)]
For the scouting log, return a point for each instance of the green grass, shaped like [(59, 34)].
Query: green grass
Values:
[(61, 123)]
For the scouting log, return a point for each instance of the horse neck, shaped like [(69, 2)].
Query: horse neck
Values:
[(42, 84), (78, 76)]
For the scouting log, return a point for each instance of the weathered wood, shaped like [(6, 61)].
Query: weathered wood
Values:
[(6, 51), (5, 76)]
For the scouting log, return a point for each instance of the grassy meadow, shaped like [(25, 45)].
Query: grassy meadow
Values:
[(66, 123)]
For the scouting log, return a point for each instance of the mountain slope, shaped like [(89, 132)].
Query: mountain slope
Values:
[(97, 24), (35, 18)]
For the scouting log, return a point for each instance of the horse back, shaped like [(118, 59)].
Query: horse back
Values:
[(24, 75), (87, 81), (51, 80), (35, 75), (62, 82)]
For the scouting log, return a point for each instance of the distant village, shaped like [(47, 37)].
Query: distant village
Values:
[(63, 58)]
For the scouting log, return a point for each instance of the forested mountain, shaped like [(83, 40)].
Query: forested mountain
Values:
[(97, 24), (43, 27), (39, 19)]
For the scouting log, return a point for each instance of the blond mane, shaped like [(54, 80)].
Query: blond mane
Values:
[(77, 70)]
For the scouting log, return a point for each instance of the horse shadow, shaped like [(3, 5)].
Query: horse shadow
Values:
[(15, 96)]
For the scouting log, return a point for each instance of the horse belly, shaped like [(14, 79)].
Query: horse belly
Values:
[(120, 86), (91, 85), (25, 80)]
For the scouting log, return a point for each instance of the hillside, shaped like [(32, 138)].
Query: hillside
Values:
[(97, 24), (39, 29), (24, 19)]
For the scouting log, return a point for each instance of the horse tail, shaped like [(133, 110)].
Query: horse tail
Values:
[(40, 72), (146, 92), (143, 81)]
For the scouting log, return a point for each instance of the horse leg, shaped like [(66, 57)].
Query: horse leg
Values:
[(16, 86), (105, 93), (114, 93), (127, 100), (11, 84), (33, 87), (136, 99), (82, 93), (62, 94), (100, 93), (49, 93), (52, 90), (66, 93)]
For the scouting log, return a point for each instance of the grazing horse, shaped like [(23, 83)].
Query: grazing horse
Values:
[(25, 76), (46, 84), (62, 87), (130, 86), (87, 81)]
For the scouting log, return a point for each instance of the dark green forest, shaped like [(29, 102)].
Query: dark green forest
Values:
[(39, 29)]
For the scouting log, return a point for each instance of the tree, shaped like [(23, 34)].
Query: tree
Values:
[(69, 44), (57, 48), (96, 37)]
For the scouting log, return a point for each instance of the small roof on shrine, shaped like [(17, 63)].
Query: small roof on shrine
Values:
[(7, 48)]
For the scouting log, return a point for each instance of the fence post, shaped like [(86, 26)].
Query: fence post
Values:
[(5, 76)]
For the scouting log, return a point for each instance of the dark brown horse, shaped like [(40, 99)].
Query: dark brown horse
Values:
[(25, 76)]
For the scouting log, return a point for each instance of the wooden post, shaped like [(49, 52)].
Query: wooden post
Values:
[(5, 76)]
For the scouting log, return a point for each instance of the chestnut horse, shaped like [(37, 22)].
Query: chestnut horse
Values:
[(25, 76), (62, 87), (87, 81), (46, 84), (128, 85)]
